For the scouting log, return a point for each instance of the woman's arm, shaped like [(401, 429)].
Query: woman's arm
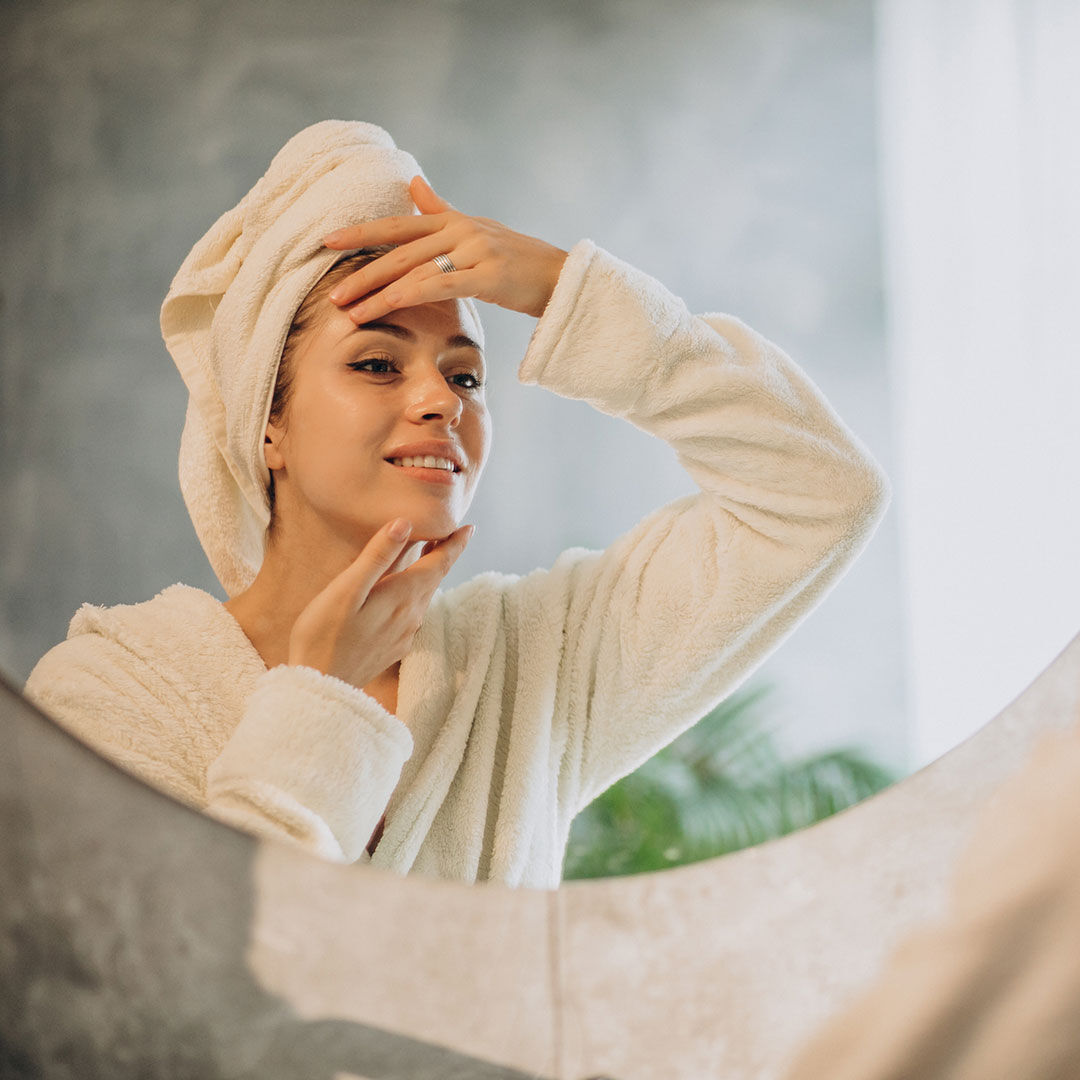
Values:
[(313, 761), (670, 618), (290, 754)]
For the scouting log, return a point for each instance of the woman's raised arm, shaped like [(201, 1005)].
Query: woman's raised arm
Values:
[(648, 635)]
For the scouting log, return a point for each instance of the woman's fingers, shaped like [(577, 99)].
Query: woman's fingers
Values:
[(387, 230), (391, 267), (366, 618), (379, 559), (377, 564), (439, 556), (399, 229), (427, 202), (494, 264), (420, 286), (409, 591), (417, 239), (380, 553), (422, 578)]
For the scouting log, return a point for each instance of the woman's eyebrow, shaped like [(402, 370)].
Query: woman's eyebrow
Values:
[(378, 325), (462, 341), (455, 341)]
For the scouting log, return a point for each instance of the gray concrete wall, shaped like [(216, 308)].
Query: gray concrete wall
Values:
[(725, 147)]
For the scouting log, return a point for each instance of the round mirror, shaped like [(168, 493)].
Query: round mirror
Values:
[(734, 151)]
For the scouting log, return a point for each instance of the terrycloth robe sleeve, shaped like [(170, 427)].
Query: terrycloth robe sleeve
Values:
[(654, 631), (312, 761)]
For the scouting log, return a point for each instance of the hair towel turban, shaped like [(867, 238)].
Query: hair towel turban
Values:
[(230, 307)]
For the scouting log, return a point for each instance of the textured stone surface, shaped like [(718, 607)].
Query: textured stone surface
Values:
[(736, 960), (127, 921), (466, 968)]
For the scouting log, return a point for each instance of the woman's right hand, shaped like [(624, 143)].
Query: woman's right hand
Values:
[(491, 262), (365, 620)]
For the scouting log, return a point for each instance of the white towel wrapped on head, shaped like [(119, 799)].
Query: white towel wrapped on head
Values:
[(230, 307)]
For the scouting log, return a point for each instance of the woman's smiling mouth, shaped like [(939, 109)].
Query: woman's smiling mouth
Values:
[(439, 461), (428, 461), (427, 468)]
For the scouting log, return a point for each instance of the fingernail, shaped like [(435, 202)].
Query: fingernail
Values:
[(337, 296), (334, 237), (399, 529)]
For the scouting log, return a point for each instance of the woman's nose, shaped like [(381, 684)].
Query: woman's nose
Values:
[(432, 398)]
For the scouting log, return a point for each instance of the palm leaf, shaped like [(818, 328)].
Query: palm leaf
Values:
[(721, 786)]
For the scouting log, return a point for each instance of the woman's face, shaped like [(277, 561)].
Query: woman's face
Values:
[(383, 420)]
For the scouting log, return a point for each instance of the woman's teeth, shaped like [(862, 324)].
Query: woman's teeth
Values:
[(427, 462)]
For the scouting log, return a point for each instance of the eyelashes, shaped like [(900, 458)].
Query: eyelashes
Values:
[(375, 365), (384, 365)]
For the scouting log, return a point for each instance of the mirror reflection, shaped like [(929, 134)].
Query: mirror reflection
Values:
[(730, 152)]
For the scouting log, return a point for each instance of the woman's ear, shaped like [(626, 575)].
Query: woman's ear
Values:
[(272, 454)]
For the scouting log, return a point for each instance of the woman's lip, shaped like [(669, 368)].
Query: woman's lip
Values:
[(429, 476), (429, 447)]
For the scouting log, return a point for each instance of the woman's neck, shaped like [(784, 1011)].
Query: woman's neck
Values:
[(290, 577), (266, 612)]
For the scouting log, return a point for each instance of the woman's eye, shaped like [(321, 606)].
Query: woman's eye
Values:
[(378, 365), (467, 380)]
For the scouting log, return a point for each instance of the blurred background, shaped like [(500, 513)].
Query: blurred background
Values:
[(887, 190)]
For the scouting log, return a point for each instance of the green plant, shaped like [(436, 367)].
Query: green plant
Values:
[(721, 786)]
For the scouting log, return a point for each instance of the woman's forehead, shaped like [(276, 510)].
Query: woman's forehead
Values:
[(452, 321)]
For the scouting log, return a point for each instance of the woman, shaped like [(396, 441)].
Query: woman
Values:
[(336, 699)]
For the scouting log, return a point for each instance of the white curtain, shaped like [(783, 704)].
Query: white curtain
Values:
[(980, 153)]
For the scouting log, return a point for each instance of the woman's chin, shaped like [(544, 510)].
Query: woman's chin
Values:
[(432, 523), (425, 527), (429, 532), (432, 518)]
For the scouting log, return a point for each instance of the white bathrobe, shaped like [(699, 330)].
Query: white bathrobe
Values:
[(523, 698)]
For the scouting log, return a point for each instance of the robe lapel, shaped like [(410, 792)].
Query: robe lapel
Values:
[(439, 687)]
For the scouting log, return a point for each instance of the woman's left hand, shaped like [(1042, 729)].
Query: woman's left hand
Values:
[(492, 263)]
